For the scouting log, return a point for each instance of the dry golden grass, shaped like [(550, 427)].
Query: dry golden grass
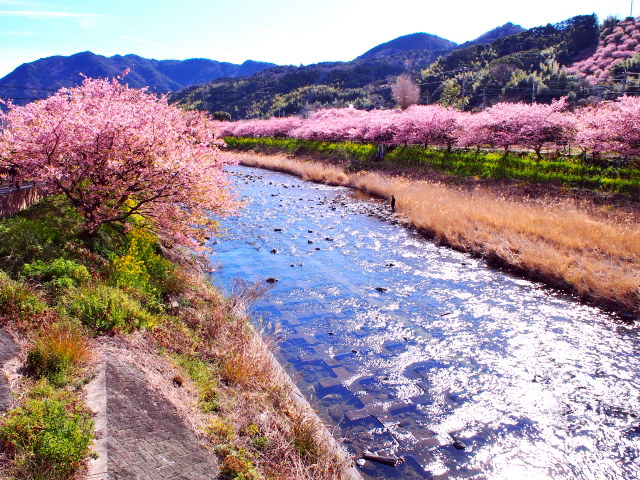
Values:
[(596, 258), (58, 350)]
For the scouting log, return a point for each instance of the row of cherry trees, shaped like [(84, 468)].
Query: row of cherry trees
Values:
[(612, 127)]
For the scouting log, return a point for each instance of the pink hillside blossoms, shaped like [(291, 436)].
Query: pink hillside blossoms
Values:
[(617, 43), (115, 151)]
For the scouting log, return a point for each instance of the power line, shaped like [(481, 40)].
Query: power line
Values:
[(16, 87)]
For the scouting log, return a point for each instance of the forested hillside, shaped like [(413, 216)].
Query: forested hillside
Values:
[(577, 58)]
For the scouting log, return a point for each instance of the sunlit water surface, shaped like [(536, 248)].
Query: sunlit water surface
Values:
[(452, 354)]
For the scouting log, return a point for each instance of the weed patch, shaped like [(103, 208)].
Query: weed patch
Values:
[(49, 436), (104, 308), (203, 377)]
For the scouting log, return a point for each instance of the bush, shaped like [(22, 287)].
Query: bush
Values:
[(221, 116), (17, 300), (105, 308), (56, 352), (60, 273), (49, 436), (141, 268)]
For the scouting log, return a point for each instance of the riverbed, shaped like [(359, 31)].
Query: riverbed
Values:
[(413, 350)]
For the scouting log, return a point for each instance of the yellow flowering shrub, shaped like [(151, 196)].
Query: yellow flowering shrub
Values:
[(141, 268)]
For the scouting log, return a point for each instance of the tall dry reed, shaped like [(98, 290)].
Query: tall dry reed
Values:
[(559, 244)]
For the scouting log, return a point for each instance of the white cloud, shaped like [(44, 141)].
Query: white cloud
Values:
[(86, 20), (17, 33), (46, 14), (139, 40)]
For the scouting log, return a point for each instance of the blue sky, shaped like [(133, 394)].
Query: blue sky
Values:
[(279, 31)]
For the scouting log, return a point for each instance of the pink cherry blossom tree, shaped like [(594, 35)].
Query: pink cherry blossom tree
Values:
[(429, 125), (611, 126), (116, 151)]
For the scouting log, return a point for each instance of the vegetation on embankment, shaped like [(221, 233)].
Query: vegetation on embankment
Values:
[(561, 171), (61, 291), (556, 243)]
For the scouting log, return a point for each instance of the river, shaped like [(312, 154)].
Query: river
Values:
[(417, 351)]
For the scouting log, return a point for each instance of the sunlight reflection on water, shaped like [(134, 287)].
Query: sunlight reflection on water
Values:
[(534, 384)]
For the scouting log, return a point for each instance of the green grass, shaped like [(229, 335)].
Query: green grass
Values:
[(203, 377), (56, 283), (566, 171)]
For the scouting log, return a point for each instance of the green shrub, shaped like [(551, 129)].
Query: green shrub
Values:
[(17, 300), (49, 436), (60, 273), (104, 308), (56, 352)]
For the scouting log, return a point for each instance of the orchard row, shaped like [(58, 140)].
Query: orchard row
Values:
[(609, 127)]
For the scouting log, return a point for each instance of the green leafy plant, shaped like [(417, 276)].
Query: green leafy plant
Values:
[(60, 273), (39, 233), (104, 308), (49, 436)]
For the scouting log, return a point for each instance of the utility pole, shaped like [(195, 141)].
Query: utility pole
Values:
[(533, 92), (464, 84), (631, 13), (484, 98)]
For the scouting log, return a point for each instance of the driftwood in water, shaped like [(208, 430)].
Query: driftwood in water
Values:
[(391, 461)]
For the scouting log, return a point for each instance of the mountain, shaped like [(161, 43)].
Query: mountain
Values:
[(406, 43), (505, 64), (37, 79), (287, 90), (499, 32)]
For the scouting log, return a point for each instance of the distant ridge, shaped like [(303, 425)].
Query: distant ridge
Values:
[(34, 79), (407, 43), (499, 32)]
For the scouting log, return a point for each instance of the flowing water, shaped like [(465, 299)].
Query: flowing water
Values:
[(418, 351)]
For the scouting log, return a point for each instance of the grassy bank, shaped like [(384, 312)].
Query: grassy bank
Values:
[(559, 244), (564, 171), (61, 292)]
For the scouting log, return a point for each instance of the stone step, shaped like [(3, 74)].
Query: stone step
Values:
[(140, 434)]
